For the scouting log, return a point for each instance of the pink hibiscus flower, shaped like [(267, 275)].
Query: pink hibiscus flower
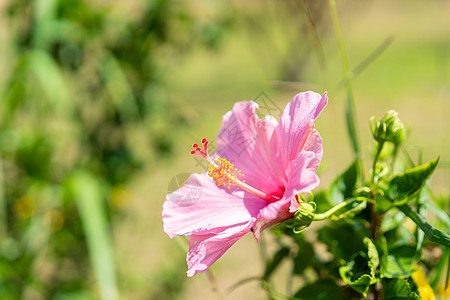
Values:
[(254, 176)]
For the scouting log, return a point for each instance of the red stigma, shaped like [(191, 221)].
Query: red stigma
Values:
[(198, 151)]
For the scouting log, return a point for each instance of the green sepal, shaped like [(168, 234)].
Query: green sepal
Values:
[(388, 129), (303, 217)]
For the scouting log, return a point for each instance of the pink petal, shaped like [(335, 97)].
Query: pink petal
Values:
[(272, 214), (302, 178), (246, 141), (295, 122), (204, 250), (314, 144), (200, 206)]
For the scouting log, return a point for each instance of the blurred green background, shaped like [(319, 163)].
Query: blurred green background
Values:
[(101, 101)]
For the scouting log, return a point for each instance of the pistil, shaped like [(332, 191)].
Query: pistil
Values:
[(224, 173)]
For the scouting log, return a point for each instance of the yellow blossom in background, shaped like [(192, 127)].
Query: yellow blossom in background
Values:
[(420, 279), (120, 197), (54, 219), (24, 207)]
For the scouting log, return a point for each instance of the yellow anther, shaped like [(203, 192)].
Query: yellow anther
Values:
[(223, 172)]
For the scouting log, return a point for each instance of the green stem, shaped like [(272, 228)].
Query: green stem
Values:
[(326, 215), (394, 158), (350, 105), (242, 282), (213, 282), (273, 295), (374, 217), (375, 160)]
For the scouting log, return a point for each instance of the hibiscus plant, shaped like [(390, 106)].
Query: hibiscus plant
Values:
[(262, 176)]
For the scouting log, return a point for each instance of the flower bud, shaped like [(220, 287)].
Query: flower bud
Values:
[(388, 129), (303, 217)]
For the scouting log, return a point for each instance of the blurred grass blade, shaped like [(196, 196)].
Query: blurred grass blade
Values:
[(50, 81), (242, 282), (440, 214), (369, 59), (3, 222), (431, 233), (372, 56), (315, 40), (44, 16), (350, 105), (273, 264), (88, 198), (442, 266), (118, 87)]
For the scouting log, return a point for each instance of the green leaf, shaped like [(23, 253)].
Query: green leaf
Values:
[(322, 289), (372, 253), (392, 221), (361, 285), (383, 204), (305, 255), (273, 264), (400, 261), (411, 181), (398, 288), (88, 198), (344, 239), (343, 186), (431, 233), (359, 273)]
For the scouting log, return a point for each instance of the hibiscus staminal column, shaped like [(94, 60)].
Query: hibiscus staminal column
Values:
[(224, 173)]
